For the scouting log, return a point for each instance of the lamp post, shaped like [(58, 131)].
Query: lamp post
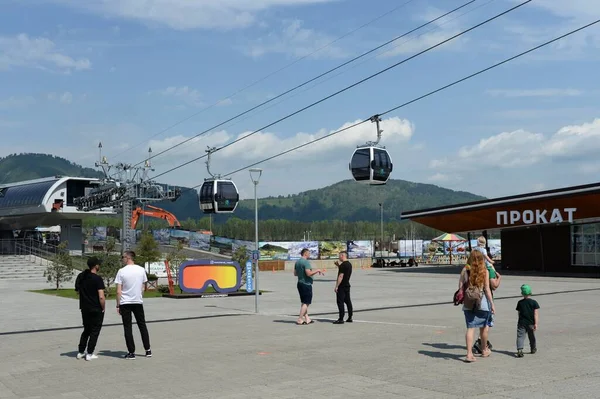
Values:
[(381, 246), (258, 173)]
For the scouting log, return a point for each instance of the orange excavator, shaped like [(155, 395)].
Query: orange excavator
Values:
[(154, 212)]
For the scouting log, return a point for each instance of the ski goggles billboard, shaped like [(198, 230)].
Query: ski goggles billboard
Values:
[(195, 276)]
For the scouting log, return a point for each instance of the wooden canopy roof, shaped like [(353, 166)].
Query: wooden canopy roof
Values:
[(557, 206)]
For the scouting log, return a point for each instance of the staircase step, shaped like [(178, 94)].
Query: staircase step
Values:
[(14, 267)]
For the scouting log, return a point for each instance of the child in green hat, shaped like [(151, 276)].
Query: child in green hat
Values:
[(528, 320)]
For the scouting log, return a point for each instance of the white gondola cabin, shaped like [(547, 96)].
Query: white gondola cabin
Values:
[(218, 196), (371, 165)]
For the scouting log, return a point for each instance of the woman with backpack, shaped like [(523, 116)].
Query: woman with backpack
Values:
[(478, 305)]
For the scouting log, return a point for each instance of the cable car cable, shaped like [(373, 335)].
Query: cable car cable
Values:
[(350, 86), (364, 61), (309, 81), (270, 74), (273, 73), (417, 98)]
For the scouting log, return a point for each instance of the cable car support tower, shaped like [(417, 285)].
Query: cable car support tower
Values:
[(125, 188)]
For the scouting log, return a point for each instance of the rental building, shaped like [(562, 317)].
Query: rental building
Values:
[(553, 231)]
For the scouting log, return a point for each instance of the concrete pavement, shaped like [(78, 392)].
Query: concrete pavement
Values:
[(407, 341)]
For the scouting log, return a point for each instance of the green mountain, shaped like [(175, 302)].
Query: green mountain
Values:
[(346, 200), (352, 202), (19, 167)]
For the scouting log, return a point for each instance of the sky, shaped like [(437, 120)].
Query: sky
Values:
[(137, 74)]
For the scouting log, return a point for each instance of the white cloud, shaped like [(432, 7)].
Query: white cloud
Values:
[(63, 98), (315, 165), (17, 102), (444, 178), (573, 14), (186, 94), (295, 40), (574, 9), (521, 148), (186, 14), (42, 53), (420, 40), (224, 102), (574, 141), (549, 92)]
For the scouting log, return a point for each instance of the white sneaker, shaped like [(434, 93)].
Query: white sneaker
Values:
[(81, 355), (90, 357)]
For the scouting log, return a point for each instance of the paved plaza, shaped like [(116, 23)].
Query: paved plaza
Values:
[(407, 342)]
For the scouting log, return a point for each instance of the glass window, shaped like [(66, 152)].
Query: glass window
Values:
[(361, 164), (585, 244), (383, 165)]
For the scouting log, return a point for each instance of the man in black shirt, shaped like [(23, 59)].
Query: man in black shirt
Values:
[(90, 287), (342, 287)]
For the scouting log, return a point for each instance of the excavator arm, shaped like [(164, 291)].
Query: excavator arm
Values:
[(154, 212)]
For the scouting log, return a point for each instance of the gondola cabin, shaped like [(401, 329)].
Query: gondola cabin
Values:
[(218, 196), (371, 165)]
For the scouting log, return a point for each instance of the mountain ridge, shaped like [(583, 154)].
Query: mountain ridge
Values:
[(345, 200)]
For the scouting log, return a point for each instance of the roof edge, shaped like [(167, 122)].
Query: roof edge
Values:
[(503, 200), (45, 179)]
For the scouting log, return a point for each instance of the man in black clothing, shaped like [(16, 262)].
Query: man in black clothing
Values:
[(90, 287), (342, 287)]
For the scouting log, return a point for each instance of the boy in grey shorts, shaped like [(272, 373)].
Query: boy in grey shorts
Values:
[(528, 320)]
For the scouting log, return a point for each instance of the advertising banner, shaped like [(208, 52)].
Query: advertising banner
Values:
[(410, 248), (331, 249), (200, 241), (287, 250), (98, 233), (241, 243), (221, 245), (359, 249), (180, 235), (162, 236)]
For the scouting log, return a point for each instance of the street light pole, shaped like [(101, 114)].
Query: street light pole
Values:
[(255, 181), (381, 246)]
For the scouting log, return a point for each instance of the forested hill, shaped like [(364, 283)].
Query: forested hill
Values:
[(19, 167), (347, 200), (350, 201)]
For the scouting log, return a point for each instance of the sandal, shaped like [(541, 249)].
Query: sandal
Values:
[(486, 353), (471, 360)]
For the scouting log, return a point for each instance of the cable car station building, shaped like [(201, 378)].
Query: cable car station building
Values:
[(554, 231), (47, 202)]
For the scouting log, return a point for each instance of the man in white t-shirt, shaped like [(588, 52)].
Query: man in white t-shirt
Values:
[(130, 282)]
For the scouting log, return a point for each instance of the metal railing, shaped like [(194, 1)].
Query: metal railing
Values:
[(31, 249)]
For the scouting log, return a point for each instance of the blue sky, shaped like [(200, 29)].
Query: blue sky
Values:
[(75, 72)]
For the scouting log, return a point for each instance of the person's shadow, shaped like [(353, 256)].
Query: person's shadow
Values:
[(443, 355), (445, 346), (109, 353), (70, 354)]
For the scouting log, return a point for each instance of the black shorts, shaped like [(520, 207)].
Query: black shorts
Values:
[(305, 291)]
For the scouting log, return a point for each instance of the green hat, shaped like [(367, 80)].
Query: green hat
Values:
[(525, 289)]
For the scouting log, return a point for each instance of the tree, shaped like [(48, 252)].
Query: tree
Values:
[(110, 264), (241, 257), (61, 269), (174, 259), (147, 250)]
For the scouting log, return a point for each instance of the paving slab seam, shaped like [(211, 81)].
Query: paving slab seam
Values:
[(368, 321), (65, 328)]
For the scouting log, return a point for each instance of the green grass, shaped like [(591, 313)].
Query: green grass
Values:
[(71, 293)]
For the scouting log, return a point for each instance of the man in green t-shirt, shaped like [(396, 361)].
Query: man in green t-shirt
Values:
[(303, 270)]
